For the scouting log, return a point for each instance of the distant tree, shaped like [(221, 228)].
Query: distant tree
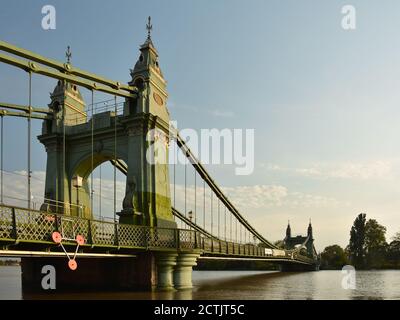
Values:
[(356, 246), (396, 237), (375, 244), (279, 244), (393, 254), (375, 235), (333, 257)]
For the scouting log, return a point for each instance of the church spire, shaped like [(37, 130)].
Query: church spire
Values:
[(288, 230), (309, 230)]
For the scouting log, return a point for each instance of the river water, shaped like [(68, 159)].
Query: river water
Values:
[(240, 285)]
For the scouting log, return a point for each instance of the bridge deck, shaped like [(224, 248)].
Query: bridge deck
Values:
[(27, 231)]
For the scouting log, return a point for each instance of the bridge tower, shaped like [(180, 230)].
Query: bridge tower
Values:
[(288, 231), (77, 141), (291, 242), (310, 242), (148, 140), (76, 144)]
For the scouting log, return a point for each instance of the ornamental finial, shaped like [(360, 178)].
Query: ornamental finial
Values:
[(149, 27), (68, 54)]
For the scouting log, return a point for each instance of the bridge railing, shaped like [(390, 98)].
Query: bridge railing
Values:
[(21, 224), (221, 247), (31, 226)]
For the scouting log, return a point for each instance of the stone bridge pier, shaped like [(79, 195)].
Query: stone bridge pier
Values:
[(147, 271), (175, 270)]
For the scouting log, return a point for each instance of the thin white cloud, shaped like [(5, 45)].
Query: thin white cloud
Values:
[(378, 169), (253, 197), (257, 196), (372, 170), (245, 197), (222, 113), (16, 188), (16, 191), (303, 200)]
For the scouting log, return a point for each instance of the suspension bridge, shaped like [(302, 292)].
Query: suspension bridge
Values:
[(157, 236)]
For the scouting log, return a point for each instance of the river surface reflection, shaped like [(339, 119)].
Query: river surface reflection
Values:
[(209, 285)]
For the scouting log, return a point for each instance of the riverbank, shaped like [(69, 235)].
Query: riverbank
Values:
[(242, 265), (10, 262)]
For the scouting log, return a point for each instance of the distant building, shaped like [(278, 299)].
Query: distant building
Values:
[(308, 240)]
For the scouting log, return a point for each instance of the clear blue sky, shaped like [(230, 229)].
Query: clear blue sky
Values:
[(324, 102)]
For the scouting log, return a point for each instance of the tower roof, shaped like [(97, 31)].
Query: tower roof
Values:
[(63, 89), (148, 59)]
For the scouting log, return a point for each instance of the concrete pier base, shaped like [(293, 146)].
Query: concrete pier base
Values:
[(183, 270), (165, 267)]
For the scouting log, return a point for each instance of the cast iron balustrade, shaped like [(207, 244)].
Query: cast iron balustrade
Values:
[(20, 225)]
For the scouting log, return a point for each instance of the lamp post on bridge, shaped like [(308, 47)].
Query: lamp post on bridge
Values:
[(190, 215)]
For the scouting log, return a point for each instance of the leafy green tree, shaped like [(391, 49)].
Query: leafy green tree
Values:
[(396, 237), (375, 235), (375, 244), (393, 254), (333, 257), (279, 244), (356, 246)]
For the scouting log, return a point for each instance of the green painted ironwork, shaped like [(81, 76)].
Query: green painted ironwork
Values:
[(25, 108), (20, 226), (61, 67), (32, 67)]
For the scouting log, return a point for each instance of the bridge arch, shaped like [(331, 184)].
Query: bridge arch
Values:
[(82, 165), (83, 169)]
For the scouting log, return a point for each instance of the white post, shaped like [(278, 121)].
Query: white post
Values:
[(183, 270), (165, 267)]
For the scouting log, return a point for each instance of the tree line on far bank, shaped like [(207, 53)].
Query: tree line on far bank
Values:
[(367, 248)]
